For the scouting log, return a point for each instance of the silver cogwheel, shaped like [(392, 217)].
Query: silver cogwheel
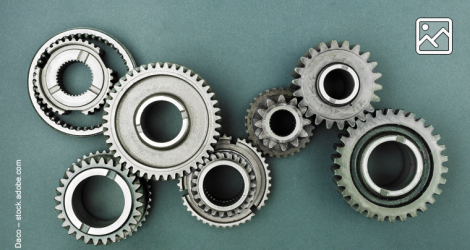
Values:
[(48, 82), (83, 225), (251, 166), (273, 136), (53, 54), (414, 186), (153, 83), (337, 83)]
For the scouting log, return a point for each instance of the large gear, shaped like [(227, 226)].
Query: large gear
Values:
[(416, 184), (161, 82), (42, 106), (321, 68), (47, 78), (243, 157), (261, 130), (83, 225)]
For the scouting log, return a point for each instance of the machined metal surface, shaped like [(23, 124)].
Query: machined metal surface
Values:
[(259, 123), (161, 82), (249, 163), (414, 186), (320, 68), (49, 99), (84, 226)]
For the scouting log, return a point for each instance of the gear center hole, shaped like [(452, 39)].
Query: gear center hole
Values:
[(223, 185), (75, 78), (282, 123), (339, 84), (161, 121), (98, 201), (391, 165)]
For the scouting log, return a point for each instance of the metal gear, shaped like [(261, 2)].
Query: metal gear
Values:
[(41, 59), (47, 78), (243, 157), (161, 82), (416, 184), (316, 76), (259, 123), (83, 225)]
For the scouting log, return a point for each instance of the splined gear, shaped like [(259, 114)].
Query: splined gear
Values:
[(79, 222), (337, 83), (249, 163), (261, 123), (416, 184), (161, 82), (48, 82), (55, 56)]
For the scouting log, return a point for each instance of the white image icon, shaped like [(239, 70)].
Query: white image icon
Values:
[(434, 36)]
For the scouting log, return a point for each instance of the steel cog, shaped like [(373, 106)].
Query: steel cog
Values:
[(154, 162), (258, 123), (336, 57), (380, 206), (139, 190)]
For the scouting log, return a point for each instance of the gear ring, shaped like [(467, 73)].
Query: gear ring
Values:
[(40, 59), (232, 212), (161, 82), (83, 225), (62, 54), (327, 64), (259, 123), (412, 189)]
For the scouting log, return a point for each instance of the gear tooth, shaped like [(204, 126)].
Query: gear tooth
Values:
[(303, 103), (309, 112), (261, 112), (437, 137), (340, 124), (365, 56), (369, 109), (304, 61), (374, 98), (303, 133), (298, 93), (282, 99), (438, 191), (376, 76), (269, 103), (296, 82), (295, 142), (334, 44), (322, 47), (272, 144), (441, 147), (373, 65), (444, 158), (306, 122), (293, 102), (345, 45), (262, 135), (351, 122), (423, 208), (283, 146), (377, 87), (442, 180), (356, 49), (318, 119), (313, 52), (259, 124), (329, 124)]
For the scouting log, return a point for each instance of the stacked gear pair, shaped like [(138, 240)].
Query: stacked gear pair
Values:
[(336, 84)]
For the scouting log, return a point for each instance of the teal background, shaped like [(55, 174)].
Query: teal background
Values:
[(243, 48)]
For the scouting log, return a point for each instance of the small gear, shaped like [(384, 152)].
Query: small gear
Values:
[(49, 85), (262, 126), (337, 83), (249, 163), (418, 180), (152, 83), (43, 106), (83, 225)]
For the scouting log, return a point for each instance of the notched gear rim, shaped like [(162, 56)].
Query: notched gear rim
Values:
[(342, 173), (63, 42), (310, 55), (201, 83), (139, 212), (47, 114), (291, 149), (262, 201)]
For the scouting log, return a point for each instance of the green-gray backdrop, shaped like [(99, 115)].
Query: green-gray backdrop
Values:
[(243, 48)]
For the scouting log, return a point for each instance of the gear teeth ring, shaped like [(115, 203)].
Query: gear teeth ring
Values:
[(50, 112), (259, 123), (237, 210), (181, 87), (407, 194), (336, 61), (84, 226)]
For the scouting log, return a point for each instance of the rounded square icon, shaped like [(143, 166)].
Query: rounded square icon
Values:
[(433, 36)]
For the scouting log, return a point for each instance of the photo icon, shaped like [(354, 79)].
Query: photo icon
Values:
[(434, 36)]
